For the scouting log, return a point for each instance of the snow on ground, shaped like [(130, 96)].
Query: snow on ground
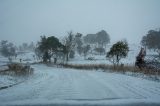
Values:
[(25, 58), (6, 80), (58, 86)]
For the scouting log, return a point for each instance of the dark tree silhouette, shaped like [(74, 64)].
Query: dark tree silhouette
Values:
[(102, 38)]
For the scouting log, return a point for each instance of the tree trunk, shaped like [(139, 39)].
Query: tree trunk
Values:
[(117, 60), (67, 56), (55, 60)]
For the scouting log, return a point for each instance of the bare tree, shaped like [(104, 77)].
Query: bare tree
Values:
[(86, 50), (78, 42), (69, 44)]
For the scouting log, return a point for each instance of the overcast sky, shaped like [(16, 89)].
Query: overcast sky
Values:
[(26, 20)]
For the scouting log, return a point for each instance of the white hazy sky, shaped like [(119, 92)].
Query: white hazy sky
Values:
[(26, 20)]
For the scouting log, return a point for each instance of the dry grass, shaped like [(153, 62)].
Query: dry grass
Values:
[(112, 68)]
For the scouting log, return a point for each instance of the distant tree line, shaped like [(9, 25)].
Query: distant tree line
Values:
[(49, 47), (66, 48)]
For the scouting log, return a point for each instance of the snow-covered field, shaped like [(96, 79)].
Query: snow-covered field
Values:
[(58, 86), (26, 57), (101, 59)]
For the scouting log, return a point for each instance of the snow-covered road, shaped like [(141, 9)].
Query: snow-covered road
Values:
[(58, 86)]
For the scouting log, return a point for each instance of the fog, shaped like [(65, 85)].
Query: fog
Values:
[(26, 20)]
